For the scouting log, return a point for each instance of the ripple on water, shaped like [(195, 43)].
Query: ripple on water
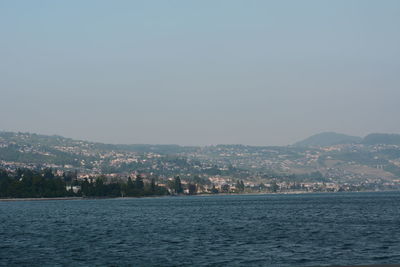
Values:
[(279, 230)]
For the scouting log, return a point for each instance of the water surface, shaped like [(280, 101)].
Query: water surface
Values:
[(244, 230)]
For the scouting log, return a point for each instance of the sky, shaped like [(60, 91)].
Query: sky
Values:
[(199, 72)]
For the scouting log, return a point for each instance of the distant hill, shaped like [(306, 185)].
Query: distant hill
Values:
[(328, 139), (307, 161), (381, 138), (46, 141)]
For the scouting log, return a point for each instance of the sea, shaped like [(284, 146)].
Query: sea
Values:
[(221, 230)]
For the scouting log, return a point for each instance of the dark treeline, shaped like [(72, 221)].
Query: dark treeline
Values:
[(32, 184), (25, 183), (132, 188)]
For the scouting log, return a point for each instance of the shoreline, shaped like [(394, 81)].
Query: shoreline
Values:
[(197, 195), (39, 199)]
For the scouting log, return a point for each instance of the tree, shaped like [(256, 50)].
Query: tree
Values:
[(178, 185), (31, 183), (48, 173), (274, 187), (225, 188), (43, 183), (130, 187), (240, 186), (99, 187), (139, 185), (261, 187), (85, 187), (5, 182), (153, 186), (192, 189)]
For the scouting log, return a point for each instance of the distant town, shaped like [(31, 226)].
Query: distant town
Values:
[(327, 162)]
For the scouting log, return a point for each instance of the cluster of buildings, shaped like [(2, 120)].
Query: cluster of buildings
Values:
[(340, 167)]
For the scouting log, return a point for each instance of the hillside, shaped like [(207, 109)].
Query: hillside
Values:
[(312, 160), (381, 138), (328, 139)]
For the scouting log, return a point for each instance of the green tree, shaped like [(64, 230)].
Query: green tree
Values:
[(239, 186), (99, 188), (192, 189), (274, 187), (153, 186), (139, 185), (225, 188), (130, 187), (178, 185)]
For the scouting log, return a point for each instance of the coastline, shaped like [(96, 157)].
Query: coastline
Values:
[(39, 199), (197, 195)]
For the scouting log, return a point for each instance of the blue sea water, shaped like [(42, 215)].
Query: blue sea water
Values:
[(244, 230)]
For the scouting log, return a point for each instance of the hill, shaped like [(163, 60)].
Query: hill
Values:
[(381, 138), (328, 139), (309, 161)]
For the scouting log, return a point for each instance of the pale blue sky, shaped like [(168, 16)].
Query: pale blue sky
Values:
[(199, 72)]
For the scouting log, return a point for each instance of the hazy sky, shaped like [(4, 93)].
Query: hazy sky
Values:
[(199, 72)]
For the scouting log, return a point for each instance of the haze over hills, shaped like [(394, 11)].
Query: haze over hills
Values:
[(328, 139), (332, 138), (327, 157), (174, 98), (382, 138)]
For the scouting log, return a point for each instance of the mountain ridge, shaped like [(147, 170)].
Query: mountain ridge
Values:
[(328, 139)]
